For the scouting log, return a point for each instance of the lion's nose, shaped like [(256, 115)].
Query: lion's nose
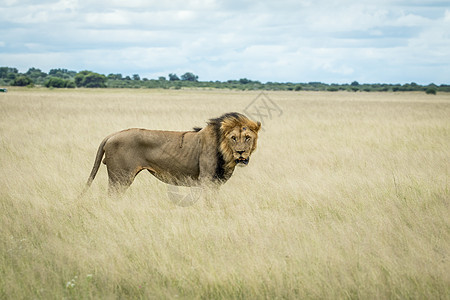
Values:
[(240, 152)]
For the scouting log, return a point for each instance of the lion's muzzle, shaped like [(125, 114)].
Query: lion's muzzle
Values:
[(242, 160)]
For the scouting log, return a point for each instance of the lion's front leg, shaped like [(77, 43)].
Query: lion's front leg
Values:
[(209, 184), (210, 195)]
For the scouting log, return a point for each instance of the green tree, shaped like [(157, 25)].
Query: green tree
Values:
[(189, 77), (173, 77), (90, 80), (5, 71), (136, 77), (36, 75), (62, 73), (115, 76), (22, 80), (7, 75), (80, 77), (244, 81)]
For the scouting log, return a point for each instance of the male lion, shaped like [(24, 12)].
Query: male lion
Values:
[(200, 157)]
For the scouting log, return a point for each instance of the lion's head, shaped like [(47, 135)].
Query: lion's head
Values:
[(237, 138)]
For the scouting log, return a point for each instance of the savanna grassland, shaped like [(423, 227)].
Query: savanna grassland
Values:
[(346, 197)]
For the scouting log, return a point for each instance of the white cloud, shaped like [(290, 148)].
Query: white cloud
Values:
[(410, 20), (107, 19), (286, 40), (348, 18)]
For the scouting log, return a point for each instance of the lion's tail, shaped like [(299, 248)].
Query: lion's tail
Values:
[(98, 160)]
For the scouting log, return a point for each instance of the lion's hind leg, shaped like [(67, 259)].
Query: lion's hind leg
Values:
[(119, 181)]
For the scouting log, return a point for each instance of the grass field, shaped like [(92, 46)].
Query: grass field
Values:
[(347, 196)]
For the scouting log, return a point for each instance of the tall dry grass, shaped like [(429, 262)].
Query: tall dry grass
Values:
[(347, 196)]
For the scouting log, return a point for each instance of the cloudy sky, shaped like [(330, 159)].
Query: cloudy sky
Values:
[(333, 41)]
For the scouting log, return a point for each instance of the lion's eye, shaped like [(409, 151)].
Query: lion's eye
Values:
[(247, 138), (234, 138)]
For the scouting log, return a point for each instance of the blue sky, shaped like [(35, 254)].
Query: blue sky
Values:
[(379, 41)]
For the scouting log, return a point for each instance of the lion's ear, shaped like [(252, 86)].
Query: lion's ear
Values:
[(258, 124)]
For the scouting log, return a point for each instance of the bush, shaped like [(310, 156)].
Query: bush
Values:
[(22, 81), (55, 82), (431, 91), (70, 84)]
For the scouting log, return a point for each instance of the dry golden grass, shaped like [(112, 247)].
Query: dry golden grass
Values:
[(347, 196)]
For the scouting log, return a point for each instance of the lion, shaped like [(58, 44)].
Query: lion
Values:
[(200, 157)]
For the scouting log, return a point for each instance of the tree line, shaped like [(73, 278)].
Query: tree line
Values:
[(63, 78)]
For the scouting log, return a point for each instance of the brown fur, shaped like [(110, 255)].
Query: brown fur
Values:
[(200, 157)]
